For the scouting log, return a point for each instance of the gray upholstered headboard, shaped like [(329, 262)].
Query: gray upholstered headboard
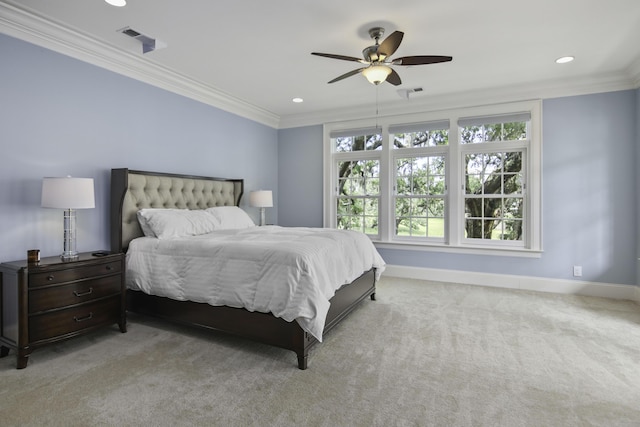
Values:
[(134, 190)]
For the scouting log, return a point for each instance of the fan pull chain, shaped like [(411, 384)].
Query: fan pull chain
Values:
[(377, 88)]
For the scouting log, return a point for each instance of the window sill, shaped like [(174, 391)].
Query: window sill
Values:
[(461, 249)]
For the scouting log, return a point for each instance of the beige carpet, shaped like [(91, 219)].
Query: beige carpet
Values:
[(423, 354)]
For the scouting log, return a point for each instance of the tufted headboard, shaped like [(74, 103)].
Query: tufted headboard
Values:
[(134, 190)]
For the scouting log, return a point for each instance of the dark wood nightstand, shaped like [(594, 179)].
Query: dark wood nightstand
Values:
[(54, 300)]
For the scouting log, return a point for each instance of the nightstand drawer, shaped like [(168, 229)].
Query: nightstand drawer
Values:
[(74, 293), (70, 274), (59, 323)]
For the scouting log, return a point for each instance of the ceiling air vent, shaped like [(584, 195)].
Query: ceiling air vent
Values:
[(404, 93), (148, 43)]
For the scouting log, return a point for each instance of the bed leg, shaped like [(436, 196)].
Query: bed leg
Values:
[(373, 296), (302, 361)]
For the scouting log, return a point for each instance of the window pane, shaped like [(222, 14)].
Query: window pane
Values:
[(512, 230), (419, 207), (403, 226), (403, 186), (372, 186), (436, 228), (371, 207), (491, 229), (513, 208), (473, 184), (371, 225), (512, 183), (403, 206), (491, 207), (436, 207), (344, 144)]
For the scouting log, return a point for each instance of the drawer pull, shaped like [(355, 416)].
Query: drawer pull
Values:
[(109, 268), (82, 319), (50, 278), (89, 292)]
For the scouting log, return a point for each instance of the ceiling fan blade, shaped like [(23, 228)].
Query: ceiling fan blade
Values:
[(345, 75), (342, 57), (421, 59), (394, 78), (390, 44)]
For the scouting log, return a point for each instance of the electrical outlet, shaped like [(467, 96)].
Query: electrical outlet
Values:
[(577, 271)]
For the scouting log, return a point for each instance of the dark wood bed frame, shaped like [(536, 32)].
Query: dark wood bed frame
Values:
[(261, 327)]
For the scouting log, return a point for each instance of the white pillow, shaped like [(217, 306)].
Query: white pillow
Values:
[(231, 217), (171, 223), (142, 220)]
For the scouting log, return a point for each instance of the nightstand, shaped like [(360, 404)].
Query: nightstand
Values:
[(53, 300)]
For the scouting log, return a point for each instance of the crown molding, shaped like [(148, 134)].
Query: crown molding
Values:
[(634, 72), (425, 102), (28, 26)]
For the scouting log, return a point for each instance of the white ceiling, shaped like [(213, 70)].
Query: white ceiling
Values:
[(253, 57)]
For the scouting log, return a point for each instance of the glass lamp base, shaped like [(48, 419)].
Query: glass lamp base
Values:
[(68, 256), (69, 246)]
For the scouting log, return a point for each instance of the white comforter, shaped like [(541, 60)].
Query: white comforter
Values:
[(290, 272)]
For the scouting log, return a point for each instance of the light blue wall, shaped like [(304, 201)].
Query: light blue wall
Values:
[(590, 197), (60, 116), (300, 177)]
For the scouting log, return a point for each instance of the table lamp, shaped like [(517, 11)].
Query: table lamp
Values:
[(261, 199), (69, 194)]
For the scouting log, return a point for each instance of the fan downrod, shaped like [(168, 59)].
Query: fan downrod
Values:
[(370, 53), (376, 33)]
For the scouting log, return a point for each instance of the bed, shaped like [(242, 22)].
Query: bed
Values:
[(134, 192)]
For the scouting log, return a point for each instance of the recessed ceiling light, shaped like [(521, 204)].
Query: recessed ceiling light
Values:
[(118, 3), (297, 100), (564, 59)]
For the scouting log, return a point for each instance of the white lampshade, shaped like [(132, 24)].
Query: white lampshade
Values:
[(261, 199), (68, 193), (376, 74)]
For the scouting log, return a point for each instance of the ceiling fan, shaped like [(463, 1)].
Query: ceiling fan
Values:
[(378, 62)]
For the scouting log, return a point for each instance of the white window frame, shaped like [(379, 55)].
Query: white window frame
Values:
[(350, 156), (454, 200), (440, 151)]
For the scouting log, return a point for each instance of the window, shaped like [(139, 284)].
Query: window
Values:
[(494, 153), (419, 180), (462, 179), (357, 178)]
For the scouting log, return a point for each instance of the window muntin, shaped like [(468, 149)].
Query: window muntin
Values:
[(512, 127), (430, 134), (420, 186), (494, 196), (364, 142), (516, 225), (357, 178), (357, 201), (421, 139)]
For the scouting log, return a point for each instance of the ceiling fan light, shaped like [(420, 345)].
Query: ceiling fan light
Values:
[(376, 74)]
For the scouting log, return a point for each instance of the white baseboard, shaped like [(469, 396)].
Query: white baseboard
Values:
[(541, 284)]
